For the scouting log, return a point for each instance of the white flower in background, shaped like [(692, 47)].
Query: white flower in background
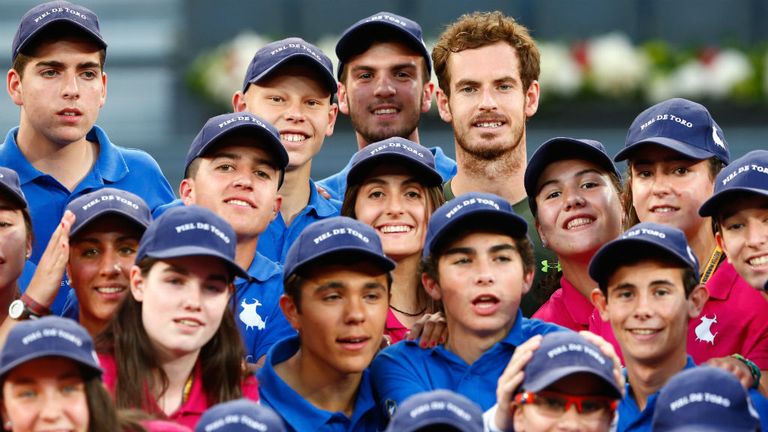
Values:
[(727, 69), (225, 72), (617, 68), (560, 74)]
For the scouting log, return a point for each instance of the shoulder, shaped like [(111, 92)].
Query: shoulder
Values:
[(535, 326)]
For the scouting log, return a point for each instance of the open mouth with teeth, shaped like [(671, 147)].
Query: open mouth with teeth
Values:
[(395, 229), (71, 113), (110, 290), (643, 332), (293, 137), (385, 111), (188, 322), (239, 203), (579, 222), (664, 209), (353, 342), (489, 124), (758, 261), (485, 304)]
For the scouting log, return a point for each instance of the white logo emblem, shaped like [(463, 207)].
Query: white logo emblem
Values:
[(716, 138), (249, 317), (704, 330)]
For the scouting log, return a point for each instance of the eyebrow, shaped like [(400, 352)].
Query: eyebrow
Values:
[(379, 180), (578, 174), (471, 251), (60, 65), (237, 156)]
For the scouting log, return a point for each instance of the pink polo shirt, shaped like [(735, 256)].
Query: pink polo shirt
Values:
[(566, 307), (193, 408), (734, 320), (394, 328)]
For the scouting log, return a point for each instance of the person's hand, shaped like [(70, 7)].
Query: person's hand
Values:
[(734, 366), (511, 379), (609, 352), (46, 282), (431, 328), (324, 193)]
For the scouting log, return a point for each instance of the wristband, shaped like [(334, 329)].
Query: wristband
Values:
[(753, 369), (34, 307)]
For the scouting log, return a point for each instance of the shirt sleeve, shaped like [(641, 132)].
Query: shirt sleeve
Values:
[(396, 377)]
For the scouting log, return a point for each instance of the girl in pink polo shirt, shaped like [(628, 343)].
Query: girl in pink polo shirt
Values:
[(173, 348), (393, 186), (573, 188)]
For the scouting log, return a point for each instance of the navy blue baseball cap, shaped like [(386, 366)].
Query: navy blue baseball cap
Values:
[(10, 185), (93, 205), (240, 415), (477, 210), (748, 173), (216, 128), (41, 16), (363, 33), (680, 125), (437, 408), (270, 57), (562, 354), (395, 150), (645, 239), (565, 148), (338, 235), (190, 231), (49, 336), (704, 399)]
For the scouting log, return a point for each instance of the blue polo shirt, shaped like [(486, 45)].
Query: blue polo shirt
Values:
[(405, 369), (300, 415), (127, 169), (336, 184), (277, 238), (257, 312)]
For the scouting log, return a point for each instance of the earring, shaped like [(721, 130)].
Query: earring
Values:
[(7, 425)]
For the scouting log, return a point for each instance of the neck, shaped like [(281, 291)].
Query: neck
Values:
[(92, 324), (178, 370), (471, 345), (323, 387), (362, 142), (245, 251), (68, 162), (702, 242), (647, 379), (404, 294), (295, 192), (576, 271), (502, 176)]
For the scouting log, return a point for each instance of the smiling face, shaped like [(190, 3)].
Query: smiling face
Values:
[(45, 394), (488, 106), (743, 235), (669, 189), (237, 181), (649, 312), (61, 92), (481, 280), (341, 316), (295, 101), (578, 207), (393, 202), (100, 260), (183, 302), (384, 92)]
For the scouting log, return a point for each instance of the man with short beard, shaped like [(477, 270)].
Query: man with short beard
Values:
[(487, 66), (384, 86)]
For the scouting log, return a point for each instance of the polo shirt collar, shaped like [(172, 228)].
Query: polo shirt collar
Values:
[(321, 206), (262, 268), (579, 307)]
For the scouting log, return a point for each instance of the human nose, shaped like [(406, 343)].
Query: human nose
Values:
[(488, 101), (294, 112), (484, 275), (110, 265), (384, 87), (70, 89), (574, 199), (757, 233), (394, 205), (354, 311), (53, 406)]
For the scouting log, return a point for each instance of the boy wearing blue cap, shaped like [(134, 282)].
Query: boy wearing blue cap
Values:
[(336, 297), (649, 290), (674, 151), (57, 80), (478, 261), (290, 84), (234, 167), (739, 205), (384, 86)]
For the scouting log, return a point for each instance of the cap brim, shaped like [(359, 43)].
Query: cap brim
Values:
[(80, 224), (89, 366), (714, 204), (329, 81), (425, 174), (359, 253), (554, 375), (274, 145), (15, 197), (558, 149), (675, 145), (485, 219), (60, 20), (613, 254), (185, 251), (688, 427)]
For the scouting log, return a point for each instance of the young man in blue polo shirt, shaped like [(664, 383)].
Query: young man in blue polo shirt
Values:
[(649, 290), (58, 82), (479, 262), (384, 87), (290, 84), (336, 296), (234, 167)]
